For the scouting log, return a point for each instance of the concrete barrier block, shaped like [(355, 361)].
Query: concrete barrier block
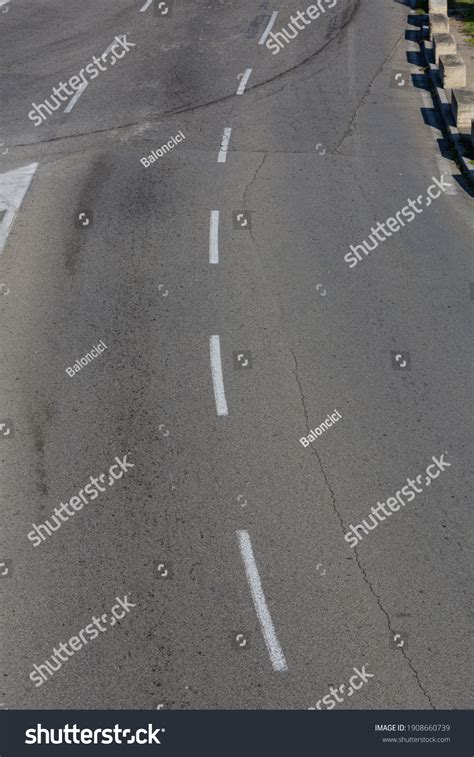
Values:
[(443, 44), (439, 23), (462, 104), (452, 70), (439, 6)]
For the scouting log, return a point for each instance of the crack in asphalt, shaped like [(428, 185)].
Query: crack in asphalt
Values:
[(40, 420), (341, 522), (348, 130), (252, 181)]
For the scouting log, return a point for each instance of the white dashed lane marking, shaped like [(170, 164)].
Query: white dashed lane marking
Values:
[(243, 81), (76, 97), (214, 238), (263, 614), (222, 157), (217, 376), (269, 28)]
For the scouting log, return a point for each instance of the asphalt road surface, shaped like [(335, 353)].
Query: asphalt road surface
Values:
[(230, 325)]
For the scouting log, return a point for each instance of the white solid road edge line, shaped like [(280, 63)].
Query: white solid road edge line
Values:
[(444, 168), (222, 157), (268, 630), (214, 238), (76, 97), (269, 28), (430, 111), (217, 377), (427, 101), (244, 81)]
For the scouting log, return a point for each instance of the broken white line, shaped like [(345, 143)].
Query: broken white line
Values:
[(222, 157), (76, 97), (214, 238), (243, 81), (217, 377), (269, 28), (268, 630)]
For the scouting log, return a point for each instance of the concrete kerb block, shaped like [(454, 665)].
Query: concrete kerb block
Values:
[(439, 23), (445, 109), (438, 6), (443, 44), (453, 71), (462, 104)]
